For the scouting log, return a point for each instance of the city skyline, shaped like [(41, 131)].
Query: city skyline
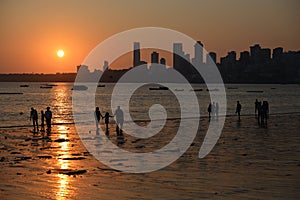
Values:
[(32, 32)]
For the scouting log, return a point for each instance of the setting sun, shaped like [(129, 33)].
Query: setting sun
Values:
[(60, 53)]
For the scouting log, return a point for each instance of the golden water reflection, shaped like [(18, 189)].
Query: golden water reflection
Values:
[(63, 180)]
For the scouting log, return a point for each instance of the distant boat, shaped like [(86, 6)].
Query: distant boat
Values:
[(46, 87), (255, 91), (80, 87), (232, 88), (197, 90), (159, 88), (100, 85), (24, 85), (8, 93)]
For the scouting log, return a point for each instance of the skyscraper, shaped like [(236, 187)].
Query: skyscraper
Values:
[(211, 58), (154, 57), (136, 54), (198, 58)]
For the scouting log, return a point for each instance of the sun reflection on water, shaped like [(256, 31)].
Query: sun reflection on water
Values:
[(63, 180)]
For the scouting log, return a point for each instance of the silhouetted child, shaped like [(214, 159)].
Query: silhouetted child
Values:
[(238, 109), (106, 120)]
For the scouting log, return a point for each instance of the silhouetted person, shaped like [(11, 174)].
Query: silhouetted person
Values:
[(119, 120), (34, 118), (98, 116), (259, 112), (238, 109), (106, 120), (256, 107), (48, 117), (42, 120), (209, 111)]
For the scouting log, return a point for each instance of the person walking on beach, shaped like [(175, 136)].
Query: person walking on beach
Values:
[(98, 116), (119, 120), (42, 121), (238, 109), (259, 112), (106, 120), (48, 117), (34, 118), (256, 107), (209, 111)]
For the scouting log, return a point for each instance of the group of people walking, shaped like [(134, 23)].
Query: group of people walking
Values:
[(262, 112), (119, 119), (47, 115), (213, 110)]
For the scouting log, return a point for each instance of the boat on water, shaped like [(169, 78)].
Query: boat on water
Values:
[(24, 85), (212, 90), (46, 87), (232, 88), (255, 91), (159, 88), (197, 90), (80, 87)]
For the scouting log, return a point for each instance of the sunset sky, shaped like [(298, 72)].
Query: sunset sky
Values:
[(33, 31)]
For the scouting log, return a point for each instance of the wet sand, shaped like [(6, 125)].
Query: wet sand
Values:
[(248, 162)]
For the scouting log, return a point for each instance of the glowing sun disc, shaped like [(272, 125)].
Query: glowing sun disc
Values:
[(60, 53)]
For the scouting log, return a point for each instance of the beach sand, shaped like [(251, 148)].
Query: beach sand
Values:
[(248, 162)]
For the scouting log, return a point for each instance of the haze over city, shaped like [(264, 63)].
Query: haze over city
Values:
[(32, 32)]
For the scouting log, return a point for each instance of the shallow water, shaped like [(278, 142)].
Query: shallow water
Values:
[(281, 98)]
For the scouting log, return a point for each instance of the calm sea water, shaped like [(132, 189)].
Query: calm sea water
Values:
[(282, 99)]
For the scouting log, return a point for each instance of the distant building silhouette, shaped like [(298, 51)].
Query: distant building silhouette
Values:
[(211, 58), (198, 51), (154, 57), (136, 54)]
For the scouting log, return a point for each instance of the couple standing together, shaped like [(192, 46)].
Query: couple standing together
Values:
[(119, 119)]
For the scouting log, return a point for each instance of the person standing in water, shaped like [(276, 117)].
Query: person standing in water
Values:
[(42, 121), (34, 118), (238, 109), (209, 111), (256, 103), (48, 117), (119, 120), (98, 116), (106, 120)]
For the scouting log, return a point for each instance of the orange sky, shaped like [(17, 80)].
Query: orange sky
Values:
[(32, 31)]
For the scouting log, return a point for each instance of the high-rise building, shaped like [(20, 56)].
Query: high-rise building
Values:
[(105, 65), (198, 58), (244, 58), (154, 57), (211, 58), (277, 53), (136, 54)]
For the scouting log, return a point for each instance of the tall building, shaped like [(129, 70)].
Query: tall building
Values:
[(277, 53), (136, 54), (244, 58), (198, 58), (211, 58), (105, 65), (154, 57)]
